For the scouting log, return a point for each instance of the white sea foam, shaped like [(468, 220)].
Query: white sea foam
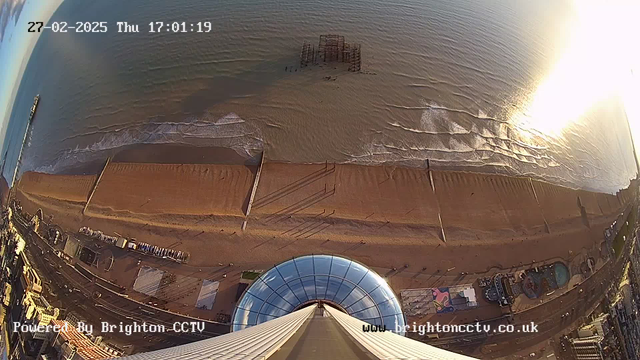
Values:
[(457, 138), (229, 131), (230, 118)]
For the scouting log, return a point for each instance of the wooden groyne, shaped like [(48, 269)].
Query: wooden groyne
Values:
[(95, 186), (254, 189)]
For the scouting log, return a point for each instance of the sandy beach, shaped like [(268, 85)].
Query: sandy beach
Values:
[(385, 216), (303, 208), (386, 204), (388, 194), (70, 188), (180, 189)]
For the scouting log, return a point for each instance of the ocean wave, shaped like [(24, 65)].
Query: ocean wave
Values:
[(494, 129), (457, 146), (421, 85), (426, 131), (457, 154), (433, 106), (431, 80), (436, 121), (497, 148), (191, 122), (229, 131), (444, 138)]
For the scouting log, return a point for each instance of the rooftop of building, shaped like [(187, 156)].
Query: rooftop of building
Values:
[(587, 340), (85, 348), (39, 301)]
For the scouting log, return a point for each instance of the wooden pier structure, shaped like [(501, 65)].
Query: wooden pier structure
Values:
[(332, 48), (307, 55)]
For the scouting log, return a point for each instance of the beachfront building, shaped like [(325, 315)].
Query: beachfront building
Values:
[(313, 307), (38, 312), (22, 294), (587, 348), (71, 344), (623, 312), (596, 340)]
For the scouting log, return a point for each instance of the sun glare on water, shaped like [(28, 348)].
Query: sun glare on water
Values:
[(599, 62)]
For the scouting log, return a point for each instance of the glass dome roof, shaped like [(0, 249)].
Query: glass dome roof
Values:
[(351, 286)]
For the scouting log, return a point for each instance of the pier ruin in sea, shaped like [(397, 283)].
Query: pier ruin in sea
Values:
[(331, 48)]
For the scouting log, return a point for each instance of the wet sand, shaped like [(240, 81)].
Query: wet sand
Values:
[(557, 203), (486, 202), (591, 204)]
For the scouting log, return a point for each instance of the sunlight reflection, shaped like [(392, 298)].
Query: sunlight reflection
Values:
[(597, 64)]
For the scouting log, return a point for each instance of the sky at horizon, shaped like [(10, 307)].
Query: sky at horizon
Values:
[(16, 47)]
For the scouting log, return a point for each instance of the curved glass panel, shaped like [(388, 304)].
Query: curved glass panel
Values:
[(321, 286), (279, 302), (358, 290), (339, 267), (390, 322), (332, 288)]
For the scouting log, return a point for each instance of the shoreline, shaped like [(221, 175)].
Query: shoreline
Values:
[(190, 154), (163, 154), (288, 191)]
